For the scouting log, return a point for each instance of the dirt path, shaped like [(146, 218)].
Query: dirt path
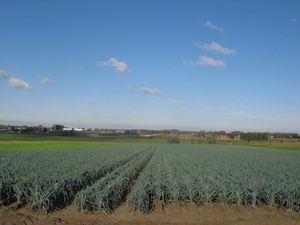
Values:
[(172, 214)]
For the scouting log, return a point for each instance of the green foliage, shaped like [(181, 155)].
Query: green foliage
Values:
[(173, 139), (219, 174), (50, 179), (69, 133), (57, 127), (254, 136), (294, 217), (108, 193), (100, 178), (5, 211), (240, 219), (211, 139)]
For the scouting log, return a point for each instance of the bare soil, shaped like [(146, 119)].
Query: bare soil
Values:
[(219, 214)]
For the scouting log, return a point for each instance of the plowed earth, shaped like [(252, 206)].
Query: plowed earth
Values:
[(171, 214)]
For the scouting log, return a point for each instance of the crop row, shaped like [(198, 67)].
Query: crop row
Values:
[(100, 179), (110, 191), (50, 179), (219, 174)]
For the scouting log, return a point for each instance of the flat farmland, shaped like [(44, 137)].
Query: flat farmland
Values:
[(151, 184), (40, 141)]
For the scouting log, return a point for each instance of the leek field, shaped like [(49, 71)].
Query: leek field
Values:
[(100, 178)]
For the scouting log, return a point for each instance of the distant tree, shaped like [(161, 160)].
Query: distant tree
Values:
[(211, 139), (192, 140), (29, 129), (254, 136), (175, 131), (57, 127), (173, 139), (234, 134), (166, 131), (201, 133), (127, 132), (69, 133)]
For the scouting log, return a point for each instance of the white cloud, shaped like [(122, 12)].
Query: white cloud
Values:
[(153, 91), (207, 61), (213, 27), (45, 80), (214, 47), (19, 84), (3, 74), (120, 66)]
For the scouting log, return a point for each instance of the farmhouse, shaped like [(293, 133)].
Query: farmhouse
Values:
[(223, 136)]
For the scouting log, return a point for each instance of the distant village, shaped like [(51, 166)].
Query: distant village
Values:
[(145, 133)]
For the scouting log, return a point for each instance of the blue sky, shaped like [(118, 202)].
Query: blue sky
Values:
[(190, 65)]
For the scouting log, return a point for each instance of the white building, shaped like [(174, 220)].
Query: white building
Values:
[(75, 129)]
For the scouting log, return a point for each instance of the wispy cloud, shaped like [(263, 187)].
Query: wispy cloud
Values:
[(119, 66), (246, 114), (19, 84), (294, 20), (207, 61), (214, 47), (261, 116), (213, 27), (175, 97), (45, 81), (74, 67), (129, 88), (3, 74), (153, 91)]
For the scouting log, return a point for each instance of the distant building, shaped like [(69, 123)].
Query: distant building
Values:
[(160, 134), (79, 129), (237, 137), (67, 128), (223, 136), (120, 131), (107, 131), (70, 128)]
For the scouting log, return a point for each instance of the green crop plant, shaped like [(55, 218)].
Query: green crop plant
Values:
[(5, 211), (100, 178), (50, 179), (220, 174), (110, 191)]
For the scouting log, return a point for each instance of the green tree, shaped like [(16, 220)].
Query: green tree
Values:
[(57, 127), (211, 139), (173, 139)]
